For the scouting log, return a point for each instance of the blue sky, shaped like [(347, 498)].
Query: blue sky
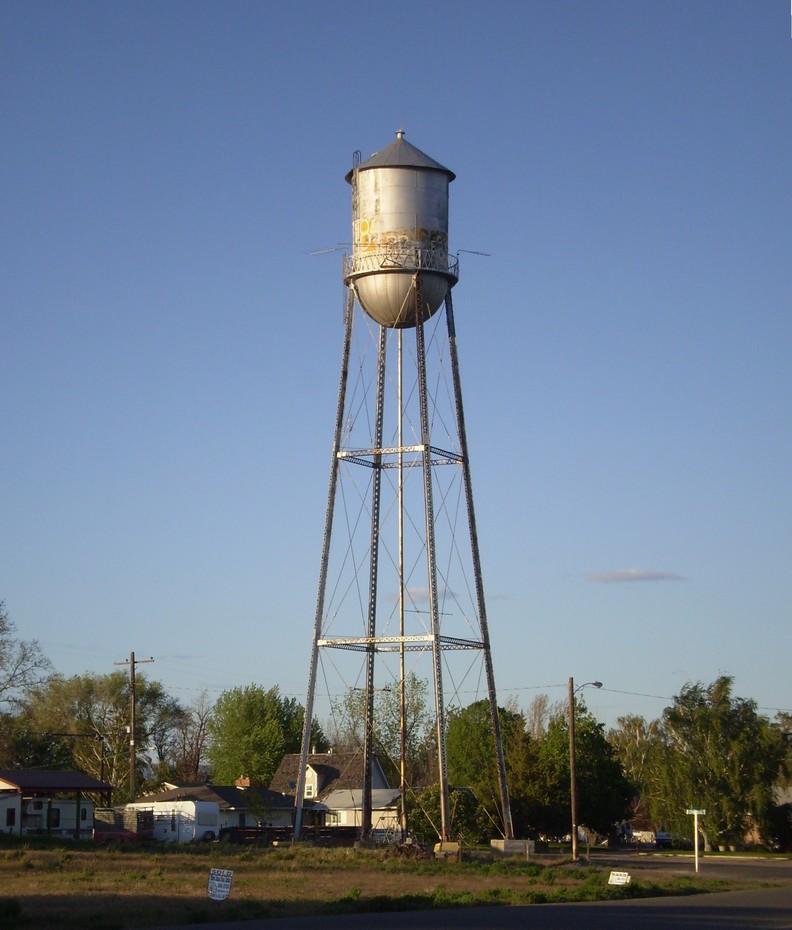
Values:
[(169, 349)]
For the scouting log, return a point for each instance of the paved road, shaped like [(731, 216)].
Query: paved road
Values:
[(731, 868), (763, 909), (757, 909)]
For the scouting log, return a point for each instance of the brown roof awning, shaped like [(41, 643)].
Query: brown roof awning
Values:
[(50, 781)]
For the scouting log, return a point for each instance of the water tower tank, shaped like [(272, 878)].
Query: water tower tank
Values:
[(400, 227)]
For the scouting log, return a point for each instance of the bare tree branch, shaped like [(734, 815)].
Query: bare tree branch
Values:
[(22, 663)]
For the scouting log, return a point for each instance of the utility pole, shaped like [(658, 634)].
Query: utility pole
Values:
[(572, 778), (132, 662), (572, 781)]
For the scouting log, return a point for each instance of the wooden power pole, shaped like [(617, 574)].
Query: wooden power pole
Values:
[(132, 662)]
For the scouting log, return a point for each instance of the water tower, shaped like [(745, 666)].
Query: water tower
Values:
[(400, 577)]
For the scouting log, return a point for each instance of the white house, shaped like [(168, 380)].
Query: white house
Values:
[(53, 803), (343, 808), (334, 789)]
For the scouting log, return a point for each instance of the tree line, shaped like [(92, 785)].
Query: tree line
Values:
[(709, 750)]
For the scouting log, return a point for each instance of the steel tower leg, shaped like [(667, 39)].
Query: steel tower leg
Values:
[(434, 613), (474, 546), (376, 486), (320, 597), (403, 820)]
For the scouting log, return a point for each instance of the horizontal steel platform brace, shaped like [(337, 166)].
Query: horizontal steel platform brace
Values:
[(394, 643), (363, 456)]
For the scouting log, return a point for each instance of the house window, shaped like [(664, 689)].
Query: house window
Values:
[(11, 817), (38, 805), (83, 813), (309, 790)]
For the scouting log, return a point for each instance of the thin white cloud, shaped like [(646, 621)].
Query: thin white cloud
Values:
[(633, 574)]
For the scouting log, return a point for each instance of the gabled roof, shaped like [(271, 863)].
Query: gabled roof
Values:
[(335, 770), (46, 780), (227, 797)]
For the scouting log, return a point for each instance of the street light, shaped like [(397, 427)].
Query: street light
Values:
[(572, 786)]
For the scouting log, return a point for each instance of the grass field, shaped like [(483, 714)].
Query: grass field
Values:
[(44, 886)]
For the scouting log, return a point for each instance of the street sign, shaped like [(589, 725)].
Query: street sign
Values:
[(696, 813)]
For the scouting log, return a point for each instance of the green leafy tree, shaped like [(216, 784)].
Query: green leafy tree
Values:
[(22, 663), (718, 753), (779, 826), (784, 723), (250, 731), (470, 750), (90, 713), (637, 743), (603, 792), (520, 751), (22, 746)]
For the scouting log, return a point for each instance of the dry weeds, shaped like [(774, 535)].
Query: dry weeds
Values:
[(132, 887)]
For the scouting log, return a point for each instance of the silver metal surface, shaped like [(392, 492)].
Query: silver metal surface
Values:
[(400, 227)]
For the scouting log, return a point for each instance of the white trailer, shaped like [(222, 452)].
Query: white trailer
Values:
[(182, 821)]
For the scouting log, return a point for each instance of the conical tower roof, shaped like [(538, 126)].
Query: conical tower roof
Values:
[(401, 154)]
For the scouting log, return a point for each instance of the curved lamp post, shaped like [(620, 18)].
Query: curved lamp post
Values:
[(572, 786)]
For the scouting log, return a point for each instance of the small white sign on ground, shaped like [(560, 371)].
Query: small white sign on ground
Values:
[(619, 878), (219, 884)]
